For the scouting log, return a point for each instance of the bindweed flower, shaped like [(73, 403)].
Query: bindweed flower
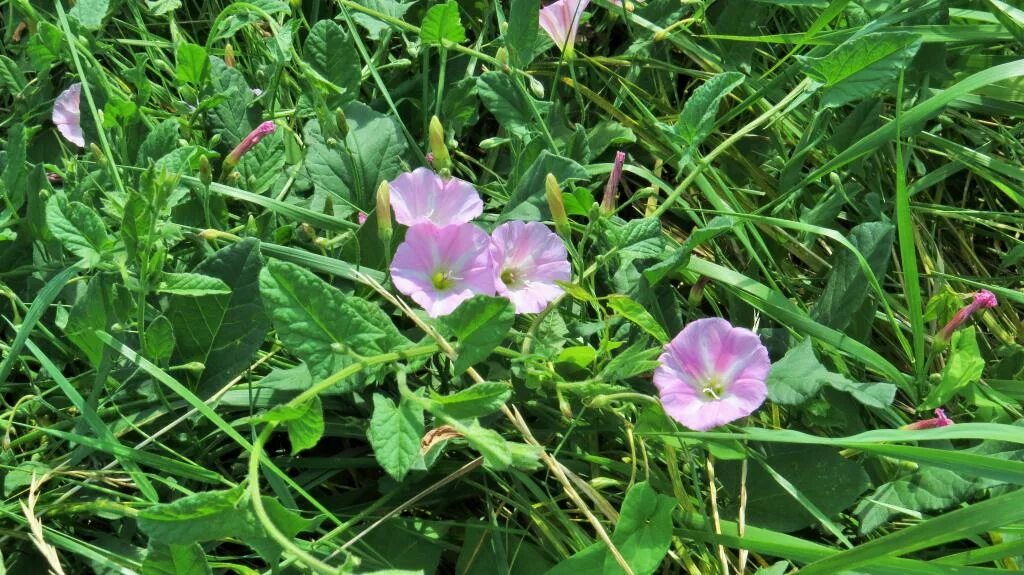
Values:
[(561, 20), (248, 143), (982, 299), (67, 115), (528, 260), (712, 373), (361, 217), (612, 187), (440, 267), (421, 196), (940, 420)]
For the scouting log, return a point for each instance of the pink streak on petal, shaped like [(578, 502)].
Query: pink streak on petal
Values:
[(67, 115), (421, 196)]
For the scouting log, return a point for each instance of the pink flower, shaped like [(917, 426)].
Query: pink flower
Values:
[(712, 373), (361, 216), (982, 299), (441, 267), (249, 142), (528, 260), (67, 115), (940, 420), (560, 20), (422, 196), (612, 187)]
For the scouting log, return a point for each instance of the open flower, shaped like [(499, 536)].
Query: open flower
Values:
[(67, 115), (940, 420), (712, 373), (528, 260), (982, 299), (560, 20), (422, 196), (440, 267)]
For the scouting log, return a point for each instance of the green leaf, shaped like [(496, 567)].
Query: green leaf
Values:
[(442, 24), (158, 339), (799, 375), (826, 480), (190, 284), (480, 323), (230, 117), (160, 141), (475, 401), (90, 13), (44, 47), (192, 65), (21, 476), (848, 288), (521, 36), (395, 434), (319, 324), (264, 164), (175, 560), (527, 201), (862, 66), (161, 7), (372, 152), (491, 445), (79, 228), (305, 422), (16, 169), (963, 369), (104, 303), (373, 26), (511, 106), (634, 312), (222, 331), (325, 41), (698, 116), (929, 489), (678, 258)]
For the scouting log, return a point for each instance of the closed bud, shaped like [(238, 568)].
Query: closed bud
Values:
[(205, 170), (384, 213), (553, 193), (229, 56), (536, 87), (97, 154), (502, 57), (442, 161), (341, 121)]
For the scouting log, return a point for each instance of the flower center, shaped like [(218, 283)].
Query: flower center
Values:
[(713, 389), (510, 277), (442, 281)]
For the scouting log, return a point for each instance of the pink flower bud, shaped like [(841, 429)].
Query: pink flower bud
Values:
[(940, 420), (250, 141), (612, 187), (982, 299)]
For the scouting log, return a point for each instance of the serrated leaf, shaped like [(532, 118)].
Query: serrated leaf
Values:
[(305, 422), (222, 331), (79, 228), (319, 324), (963, 368), (510, 106), (160, 141), (475, 401), (395, 433), (158, 339), (90, 13), (442, 24), (325, 41), (862, 65), (190, 284), (480, 323), (698, 116), (634, 312)]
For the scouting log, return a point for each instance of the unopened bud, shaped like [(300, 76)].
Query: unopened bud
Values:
[(229, 56), (341, 121), (556, 204), (97, 154), (442, 161), (384, 213), (536, 87), (205, 170), (502, 57)]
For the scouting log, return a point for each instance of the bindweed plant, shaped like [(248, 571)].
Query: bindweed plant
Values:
[(369, 286)]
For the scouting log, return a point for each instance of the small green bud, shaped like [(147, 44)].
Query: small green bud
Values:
[(553, 193), (442, 161), (384, 213), (205, 170), (341, 121)]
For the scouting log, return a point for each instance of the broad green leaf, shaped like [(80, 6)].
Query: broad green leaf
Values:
[(678, 258), (305, 423), (491, 445), (16, 169), (511, 106), (191, 284), (698, 116), (21, 476), (395, 433), (164, 559), (79, 228), (44, 47), (373, 26), (799, 375), (160, 141), (371, 152), (862, 65), (90, 13), (192, 65), (527, 201), (158, 339), (319, 324), (523, 26), (963, 369), (325, 41), (828, 481), (442, 24), (926, 491), (222, 331), (634, 312), (480, 324), (264, 164), (475, 401), (161, 7), (848, 288), (230, 117), (104, 303)]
